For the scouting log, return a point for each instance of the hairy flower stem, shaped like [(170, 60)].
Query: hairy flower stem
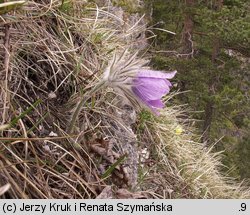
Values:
[(80, 106)]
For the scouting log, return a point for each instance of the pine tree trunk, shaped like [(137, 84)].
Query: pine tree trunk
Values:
[(187, 44), (209, 110)]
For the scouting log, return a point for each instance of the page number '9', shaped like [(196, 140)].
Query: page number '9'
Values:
[(243, 207)]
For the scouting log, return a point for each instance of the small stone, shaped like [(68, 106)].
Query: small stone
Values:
[(52, 95), (53, 134)]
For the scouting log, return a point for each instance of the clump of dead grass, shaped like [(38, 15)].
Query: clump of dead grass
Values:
[(53, 53), (185, 168)]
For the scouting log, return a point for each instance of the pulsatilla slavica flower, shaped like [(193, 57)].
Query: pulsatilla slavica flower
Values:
[(150, 86), (140, 85)]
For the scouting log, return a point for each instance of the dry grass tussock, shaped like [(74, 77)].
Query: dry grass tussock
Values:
[(185, 168), (51, 55)]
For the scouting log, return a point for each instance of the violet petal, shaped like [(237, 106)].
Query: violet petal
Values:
[(152, 89), (156, 103), (146, 73), (150, 103)]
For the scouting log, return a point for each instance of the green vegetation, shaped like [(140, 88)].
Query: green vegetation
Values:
[(211, 53), (55, 52)]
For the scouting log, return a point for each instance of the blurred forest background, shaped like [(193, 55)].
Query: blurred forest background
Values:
[(53, 54), (211, 51)]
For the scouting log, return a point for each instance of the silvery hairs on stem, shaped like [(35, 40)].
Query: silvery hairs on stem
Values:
[(136, 82)]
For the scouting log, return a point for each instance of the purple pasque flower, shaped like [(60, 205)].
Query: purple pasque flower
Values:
[(150, 86), (140, 85)]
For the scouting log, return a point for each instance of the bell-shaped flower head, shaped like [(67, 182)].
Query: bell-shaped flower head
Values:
[(150, 86), (140, 85)]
